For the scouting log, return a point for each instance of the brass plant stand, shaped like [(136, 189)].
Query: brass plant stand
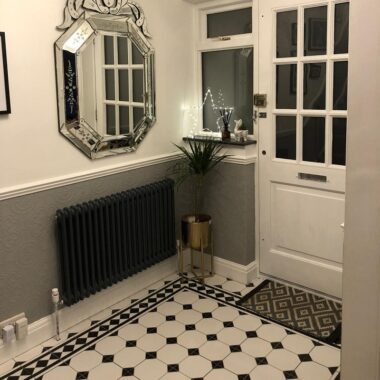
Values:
[(198, 237)]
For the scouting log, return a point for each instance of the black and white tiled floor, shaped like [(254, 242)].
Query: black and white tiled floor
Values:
[(179, 329)]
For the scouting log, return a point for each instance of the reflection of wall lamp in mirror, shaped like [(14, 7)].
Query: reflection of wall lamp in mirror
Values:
[(105, 77)]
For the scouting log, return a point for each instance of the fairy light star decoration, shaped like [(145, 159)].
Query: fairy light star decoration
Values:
[(222, 112)]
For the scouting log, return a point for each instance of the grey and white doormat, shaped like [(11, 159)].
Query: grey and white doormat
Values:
[(305, 312)]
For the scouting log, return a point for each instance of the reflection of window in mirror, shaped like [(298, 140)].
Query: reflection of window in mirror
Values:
[(121, 106)]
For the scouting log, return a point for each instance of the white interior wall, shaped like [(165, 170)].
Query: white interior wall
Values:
[(361, 270), (31, 148)]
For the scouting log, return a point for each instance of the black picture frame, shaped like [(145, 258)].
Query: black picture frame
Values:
[(5, 102)]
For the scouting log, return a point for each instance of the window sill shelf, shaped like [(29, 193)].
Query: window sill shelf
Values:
[(225, 142)]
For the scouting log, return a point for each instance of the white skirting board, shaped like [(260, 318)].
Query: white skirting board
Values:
[(237, 272), (44, 329)]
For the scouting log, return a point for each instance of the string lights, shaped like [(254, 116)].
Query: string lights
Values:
[(222, 112)]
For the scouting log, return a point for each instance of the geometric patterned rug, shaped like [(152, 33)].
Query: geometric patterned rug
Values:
[(303, 311)]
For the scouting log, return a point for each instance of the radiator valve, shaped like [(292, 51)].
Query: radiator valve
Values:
[(57, 303)]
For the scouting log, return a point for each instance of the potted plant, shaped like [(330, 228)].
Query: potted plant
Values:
[(198, 159)]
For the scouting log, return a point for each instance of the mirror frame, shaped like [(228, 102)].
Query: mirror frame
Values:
[(81, 29)]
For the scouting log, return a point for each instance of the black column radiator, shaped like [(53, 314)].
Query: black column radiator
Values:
[(104, 241)]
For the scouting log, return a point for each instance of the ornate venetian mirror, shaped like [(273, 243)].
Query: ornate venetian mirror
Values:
[(105, 76)]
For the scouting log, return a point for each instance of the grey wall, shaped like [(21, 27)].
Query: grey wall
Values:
[(229, 198), (28, 252)]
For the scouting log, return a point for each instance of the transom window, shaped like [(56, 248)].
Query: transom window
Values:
[(227, 64), (311, 71)]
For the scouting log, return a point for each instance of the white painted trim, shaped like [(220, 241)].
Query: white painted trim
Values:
[(52, 183), (244, 274), (44, 329), (241, 160)]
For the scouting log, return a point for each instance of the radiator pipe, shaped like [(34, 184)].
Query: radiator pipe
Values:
[(56, 303)]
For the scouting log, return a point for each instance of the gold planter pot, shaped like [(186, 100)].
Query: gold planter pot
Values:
[(196, 231)]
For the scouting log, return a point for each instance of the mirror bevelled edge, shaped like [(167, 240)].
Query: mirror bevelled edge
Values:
[(84, 21)]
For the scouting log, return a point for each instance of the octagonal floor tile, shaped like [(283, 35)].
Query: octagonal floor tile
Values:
[(247, 322), (186, 297), (256, 347), (233, 286), (192, 339), (151, 342), (170, 308), (327, 356), (214, 350), (298, 344), (152, 319), (209, 326), (172, 354), (61, 373), (86, 361), (215, 280), (150, 369), (189, 317), (232, 336), (195, 366), (267, 372), (110, 345), (129, 357), (107, 371), (220, 374), (239, 363), (225, 314), (205, 305), (175, 376), (171, 329), (132, 332), (271, 333), (283, 360), (313, 371)]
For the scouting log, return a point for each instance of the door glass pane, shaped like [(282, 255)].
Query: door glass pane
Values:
[(229, 23), (340, 85), (110, 115), (339, 141), (124, 119), (314, 86), (138, 58), (314, 139), (286, 137), (229, 73), (286, 34), (138, 114), (315, 36), (108, 50), (110, 84), (341, 28), (138, 86), (123, 85), (286, 86), (122, 50)]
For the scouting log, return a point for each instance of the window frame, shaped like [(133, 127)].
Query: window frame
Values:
[(239, 41)]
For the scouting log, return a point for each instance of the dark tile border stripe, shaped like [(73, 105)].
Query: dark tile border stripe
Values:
[(56, 355)]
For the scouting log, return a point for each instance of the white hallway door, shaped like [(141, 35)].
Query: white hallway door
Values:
[(303, 60)]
